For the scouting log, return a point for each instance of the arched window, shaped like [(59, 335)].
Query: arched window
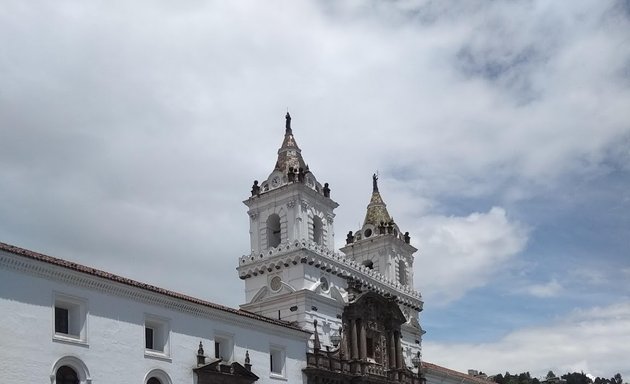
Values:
[(157, 376), (369, 264), (70, 370), (66, 375), (402, 272), (318, 229), (273, 231)]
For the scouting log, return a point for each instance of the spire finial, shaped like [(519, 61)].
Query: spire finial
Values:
[(287, 117), (375, 182)]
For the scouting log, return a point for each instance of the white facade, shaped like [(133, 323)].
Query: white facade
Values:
[(107, 321)]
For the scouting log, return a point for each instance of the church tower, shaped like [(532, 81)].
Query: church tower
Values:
[(292, 272), (380, 246)]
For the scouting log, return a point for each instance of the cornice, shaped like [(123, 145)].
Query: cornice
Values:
[(287, 254), (142, 293)]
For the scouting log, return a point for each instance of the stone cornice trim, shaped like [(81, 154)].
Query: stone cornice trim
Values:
[(78, 275), (287, 254)]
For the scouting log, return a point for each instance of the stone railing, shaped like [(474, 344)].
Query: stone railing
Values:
[(334, 262)]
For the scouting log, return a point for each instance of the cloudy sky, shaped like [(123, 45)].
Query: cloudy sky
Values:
[(130, 133)]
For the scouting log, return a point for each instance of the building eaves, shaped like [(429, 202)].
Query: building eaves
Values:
[(137, 284)]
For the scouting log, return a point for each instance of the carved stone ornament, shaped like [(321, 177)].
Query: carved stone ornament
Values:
[(291, 204), (305, 205), (329, 218), (253, 214)]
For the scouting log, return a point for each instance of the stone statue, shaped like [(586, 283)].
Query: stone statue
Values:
[(288, 122), (291, 175), (375, 183), (326, 190), (255, 188), (407, 237), (350, 238)]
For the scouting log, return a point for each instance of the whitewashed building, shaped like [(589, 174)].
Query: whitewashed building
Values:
[(311, 314)]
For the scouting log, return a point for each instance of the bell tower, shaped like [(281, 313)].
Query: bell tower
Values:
[(381, 247), (290, 205), (288, 274), (293, 273)]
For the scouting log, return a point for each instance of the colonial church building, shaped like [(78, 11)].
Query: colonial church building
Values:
[(310, 315)]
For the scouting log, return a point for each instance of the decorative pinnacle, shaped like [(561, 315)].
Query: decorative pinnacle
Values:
[(288, 124), (200, 351)]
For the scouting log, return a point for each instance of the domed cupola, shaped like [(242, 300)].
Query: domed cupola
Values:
[(379, 244), (377, 220)]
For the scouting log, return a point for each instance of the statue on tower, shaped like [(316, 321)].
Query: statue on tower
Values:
[(288, 122), (375, 183)]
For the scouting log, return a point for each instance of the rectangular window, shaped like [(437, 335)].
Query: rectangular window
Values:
[(276, 361), (148, 338), (61, 320), (156, 336), (223, 347), (69, 318)]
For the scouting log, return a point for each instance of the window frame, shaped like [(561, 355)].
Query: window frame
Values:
[(76, 318), (160, 336), (277, 353), (225, 342)]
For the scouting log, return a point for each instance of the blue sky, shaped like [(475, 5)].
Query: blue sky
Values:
[(132, 131)]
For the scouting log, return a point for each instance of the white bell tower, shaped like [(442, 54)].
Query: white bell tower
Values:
[(292, 237), (293, 273)]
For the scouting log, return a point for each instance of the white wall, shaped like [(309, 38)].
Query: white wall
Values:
[(115, 335)]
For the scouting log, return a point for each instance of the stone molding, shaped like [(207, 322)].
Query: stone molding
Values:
[(287, 254)]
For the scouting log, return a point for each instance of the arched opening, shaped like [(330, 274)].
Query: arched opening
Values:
[(318, 230), (70, 370), (273, 231), (66, 375), (157, 376), (369, 264), (402, 272)]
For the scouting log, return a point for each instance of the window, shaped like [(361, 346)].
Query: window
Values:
[(156, 336), (369, 344), (318, 229), (66, 375), (273, 231), (69, 318), (223, 347), (154, 380), (276, 361), (402, 272)]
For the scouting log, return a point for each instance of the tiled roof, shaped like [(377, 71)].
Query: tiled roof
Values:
[(133, 283), (449, 372)]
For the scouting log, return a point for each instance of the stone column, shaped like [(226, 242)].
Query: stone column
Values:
[(363, 341), (392, 350), (354, 339), (399, 359)]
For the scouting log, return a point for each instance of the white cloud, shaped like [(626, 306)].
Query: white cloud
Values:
[(458, 254), (596, 341), (545, 290)]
